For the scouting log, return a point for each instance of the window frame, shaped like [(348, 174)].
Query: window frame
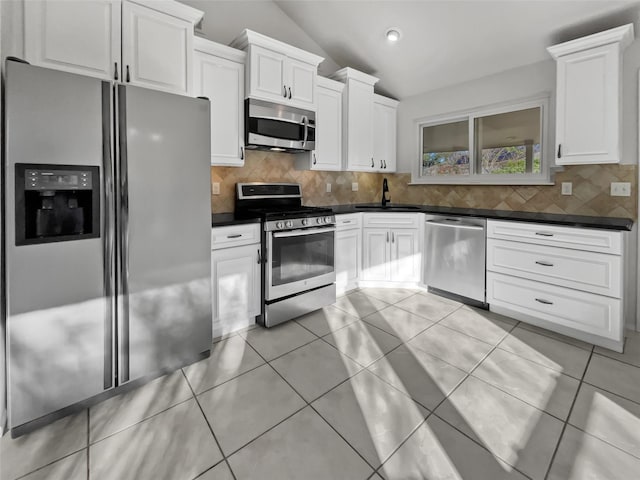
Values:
[(475, 178)]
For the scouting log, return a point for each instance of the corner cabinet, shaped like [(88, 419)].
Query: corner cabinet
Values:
[(589, 97), (218, 74), (368, 124), (142, 42), (392, 249), (278, 72), (384, 133), (328, 152), (235, 269)]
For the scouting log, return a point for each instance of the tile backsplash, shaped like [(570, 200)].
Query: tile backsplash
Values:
[(591, 185)]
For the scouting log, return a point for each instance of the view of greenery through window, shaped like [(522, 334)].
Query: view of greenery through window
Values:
[(509, 160), (505, 143)]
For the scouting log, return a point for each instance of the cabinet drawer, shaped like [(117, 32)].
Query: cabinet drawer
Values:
[(393, 220), (585, 312), (603, 241), (348, 221), (235, 235), (589, 271)]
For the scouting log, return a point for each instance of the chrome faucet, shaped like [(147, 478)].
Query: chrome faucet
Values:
[(385, 189)]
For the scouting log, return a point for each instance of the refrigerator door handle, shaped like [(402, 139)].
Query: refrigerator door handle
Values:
[(123, 240), (107, 233)]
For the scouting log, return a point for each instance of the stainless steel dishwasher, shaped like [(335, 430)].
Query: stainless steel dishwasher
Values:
[(455, 257)]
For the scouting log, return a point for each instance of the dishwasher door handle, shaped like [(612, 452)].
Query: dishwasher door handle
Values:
[(464, 226)]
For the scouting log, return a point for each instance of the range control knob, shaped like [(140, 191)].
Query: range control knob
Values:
[(279, 225), (319, 220), (305, 221), (289, 224), (327, 219)]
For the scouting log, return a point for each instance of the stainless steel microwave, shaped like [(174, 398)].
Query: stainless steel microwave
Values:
[(271, 126)]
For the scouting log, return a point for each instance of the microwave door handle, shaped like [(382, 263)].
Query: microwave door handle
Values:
[(305, 122)]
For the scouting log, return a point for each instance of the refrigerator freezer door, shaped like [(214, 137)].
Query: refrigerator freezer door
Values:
[(58, 320), (165, 228)]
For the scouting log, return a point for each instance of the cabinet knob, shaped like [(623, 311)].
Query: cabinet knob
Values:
[(285, 91), (115, 75), (315, 160), (259, 257), (384, 162), (241, 153), (372, 164), (559, 150), (381, 166), (289, 93), (128, 76)]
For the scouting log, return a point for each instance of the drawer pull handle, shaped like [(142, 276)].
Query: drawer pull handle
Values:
[(259, 257), (544, 234), (542, 300), (544, 264), (346, 221), (237, 235)]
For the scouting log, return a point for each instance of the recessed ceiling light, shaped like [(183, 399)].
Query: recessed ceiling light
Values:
[(393, 34)]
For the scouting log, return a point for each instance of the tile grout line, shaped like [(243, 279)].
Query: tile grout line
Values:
[(564, 425), (19, 477), (215, 439), (446, 397), (308, 404)]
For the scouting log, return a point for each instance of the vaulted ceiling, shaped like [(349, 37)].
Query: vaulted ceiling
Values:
[(443, 42)]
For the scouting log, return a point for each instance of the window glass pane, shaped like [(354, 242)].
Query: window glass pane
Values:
[(445, 149), (508, 142)]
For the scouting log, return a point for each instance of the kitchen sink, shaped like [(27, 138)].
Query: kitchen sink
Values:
[(387, 207)]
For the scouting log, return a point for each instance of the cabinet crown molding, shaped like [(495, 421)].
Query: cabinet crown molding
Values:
[(173, 8), (325, 82), (249, 37), (389, 102), (623, 35), (218, 50), (349, 73)]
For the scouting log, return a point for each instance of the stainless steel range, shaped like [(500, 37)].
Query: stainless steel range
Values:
[(298, 269)]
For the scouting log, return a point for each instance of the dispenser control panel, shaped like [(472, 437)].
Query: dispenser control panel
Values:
[(36, 179)]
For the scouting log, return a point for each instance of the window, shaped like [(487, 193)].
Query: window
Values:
[(500, 145)]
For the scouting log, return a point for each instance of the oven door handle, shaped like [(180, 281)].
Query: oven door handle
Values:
[(303, 232)]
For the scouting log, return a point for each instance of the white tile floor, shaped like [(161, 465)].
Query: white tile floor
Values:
[(393, 384)]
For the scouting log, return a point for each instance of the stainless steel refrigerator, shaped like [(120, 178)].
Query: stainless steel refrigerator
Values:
[(107, 238)]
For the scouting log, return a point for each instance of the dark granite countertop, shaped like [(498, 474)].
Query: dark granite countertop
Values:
[(607, 223), (225, 219), (584, 221)]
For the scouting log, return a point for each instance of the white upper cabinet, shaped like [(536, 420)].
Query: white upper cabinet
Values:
[(328, 152), (219, 76), (589, 97), (384, 133), (146, 43), (278, 72), (357, 119), (76, 36)]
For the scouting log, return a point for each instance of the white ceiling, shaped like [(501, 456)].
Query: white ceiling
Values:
[(444, 42)]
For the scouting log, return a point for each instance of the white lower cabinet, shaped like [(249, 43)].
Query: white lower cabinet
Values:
[(566, 279), (236, 282), (348, 248), (391, 248)]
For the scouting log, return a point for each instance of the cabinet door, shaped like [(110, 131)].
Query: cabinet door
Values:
[(406, 257), (328, 153), (157, 49), (359, 127), (375, 254), (384, 137), (222, 82), (75, 36), (236, 287), (301, 79), (588, 107), (347, 258), (266, 74)]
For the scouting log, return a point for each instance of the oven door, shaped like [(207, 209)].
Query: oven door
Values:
[(299, 260)]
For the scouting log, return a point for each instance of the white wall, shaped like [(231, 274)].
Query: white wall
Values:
[(510, 85), (225, 20)]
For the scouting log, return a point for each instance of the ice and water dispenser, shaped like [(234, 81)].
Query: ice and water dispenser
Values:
[(56, 203)]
